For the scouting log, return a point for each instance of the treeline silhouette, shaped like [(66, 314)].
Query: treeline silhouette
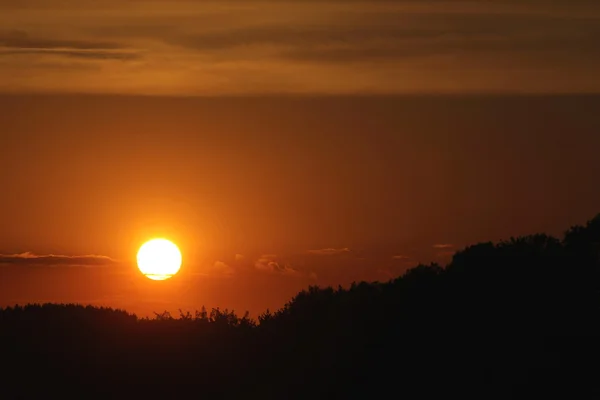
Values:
[(516, 319)]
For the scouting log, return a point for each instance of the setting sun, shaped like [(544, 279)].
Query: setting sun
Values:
[(159, 259)]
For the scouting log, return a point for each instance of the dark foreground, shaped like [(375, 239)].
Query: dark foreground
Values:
[(518, 319)]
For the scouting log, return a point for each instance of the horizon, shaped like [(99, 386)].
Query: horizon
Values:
[(203, 312)]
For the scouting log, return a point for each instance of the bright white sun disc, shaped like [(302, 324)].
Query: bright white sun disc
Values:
[(159, 259)]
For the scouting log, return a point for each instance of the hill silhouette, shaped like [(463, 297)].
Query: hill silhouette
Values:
[(515, 319)]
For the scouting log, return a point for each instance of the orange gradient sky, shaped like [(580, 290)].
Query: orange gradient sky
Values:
[(265, 196), (284, 143)]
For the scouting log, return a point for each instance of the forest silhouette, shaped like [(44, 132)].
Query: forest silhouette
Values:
[(515, 319)]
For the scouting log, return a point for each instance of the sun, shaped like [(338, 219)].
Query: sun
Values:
[(159, 259)]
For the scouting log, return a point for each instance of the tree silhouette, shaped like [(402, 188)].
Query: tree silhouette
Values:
[(515, 319)]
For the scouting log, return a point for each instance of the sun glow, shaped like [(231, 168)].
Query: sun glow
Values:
[(159, 259)]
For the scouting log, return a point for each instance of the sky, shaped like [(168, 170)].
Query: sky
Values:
[(283, 144), (201, 47)]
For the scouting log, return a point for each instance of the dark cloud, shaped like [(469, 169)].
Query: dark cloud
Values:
[(392, 36), (82, 54), (382, 46), (284, 35), (56, 260), (18, 39), (17, 42)]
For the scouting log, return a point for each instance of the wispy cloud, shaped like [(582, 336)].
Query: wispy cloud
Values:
[(443, 246), (29, 258), (19, 39), (329, 251), (82, 54), (268, 256), (268, 263), (223, 268), (401, 258), (18, 42), (239, 257)]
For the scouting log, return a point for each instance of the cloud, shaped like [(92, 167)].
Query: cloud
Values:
[(301, 46), (29, 258), (239, 257), (365, 36), (18, 39), (223, 268), (443, 246), (263, 261), (18, 42), (267, 263), (285, 36), (401, 258), (329, 251), (82, 54)]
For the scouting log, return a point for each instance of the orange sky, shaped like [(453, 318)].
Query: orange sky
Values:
[(321, 190), (284, 143)]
